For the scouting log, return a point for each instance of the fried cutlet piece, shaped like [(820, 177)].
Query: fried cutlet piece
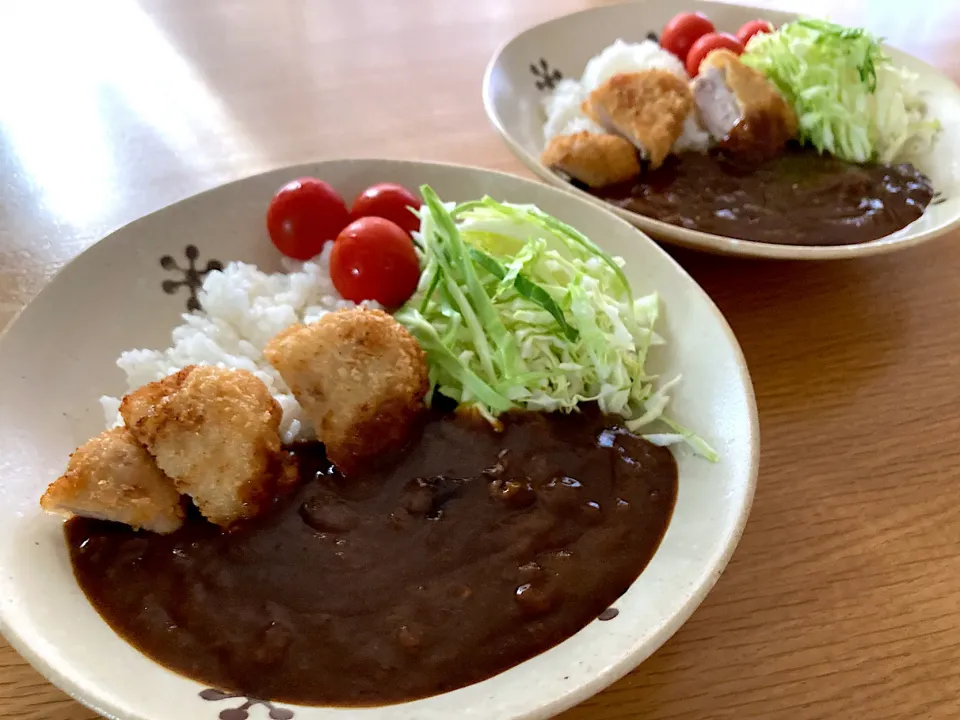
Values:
[(359, 376), (595, 159), (648, 108), (740, 108), (112, 477), (216, 433)]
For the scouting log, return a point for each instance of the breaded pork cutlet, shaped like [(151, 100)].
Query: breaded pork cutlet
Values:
[(112, 477), (216, 433), (740, 108), (648, 108), (595, 159), (359, 376)]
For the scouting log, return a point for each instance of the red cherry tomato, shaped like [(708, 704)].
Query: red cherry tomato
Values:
[(754, 27), (374, 259), (706, 45), (683, 31), (303, 215), (390, 201)]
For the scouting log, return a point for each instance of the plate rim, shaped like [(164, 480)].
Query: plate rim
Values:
[(697, 239), (96, 697)]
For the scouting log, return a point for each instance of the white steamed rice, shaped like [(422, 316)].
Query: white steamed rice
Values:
[(563, 107), (624, 57), (243, 308)]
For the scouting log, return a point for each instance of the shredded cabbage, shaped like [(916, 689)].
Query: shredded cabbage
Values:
[(850, 99), (516, 309)]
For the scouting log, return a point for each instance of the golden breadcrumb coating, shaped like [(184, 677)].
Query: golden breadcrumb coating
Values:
[(648, 108), (595, 159), (111, 477), (763, 121), (215, 431), (359, 376)]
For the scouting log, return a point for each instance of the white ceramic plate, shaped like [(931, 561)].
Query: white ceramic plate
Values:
[(520, 73), (58, 358)]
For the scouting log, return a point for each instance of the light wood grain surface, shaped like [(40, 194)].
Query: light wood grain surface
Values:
[(842, 600)]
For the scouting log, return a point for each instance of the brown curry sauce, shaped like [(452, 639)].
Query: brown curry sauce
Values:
[(465, 556), (798, 197)]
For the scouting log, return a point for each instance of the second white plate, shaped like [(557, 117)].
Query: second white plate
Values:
[(523, 70)]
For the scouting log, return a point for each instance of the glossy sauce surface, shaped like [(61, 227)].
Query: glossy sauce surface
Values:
[(471, 553), (797, 198)]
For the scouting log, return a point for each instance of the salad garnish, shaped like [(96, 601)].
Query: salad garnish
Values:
[(517, 310), (851, 100)]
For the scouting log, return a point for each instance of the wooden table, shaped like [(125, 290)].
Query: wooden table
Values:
[(842, 599)]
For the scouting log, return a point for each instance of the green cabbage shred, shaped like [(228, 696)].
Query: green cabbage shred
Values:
[(517, 310), (851, 100)]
